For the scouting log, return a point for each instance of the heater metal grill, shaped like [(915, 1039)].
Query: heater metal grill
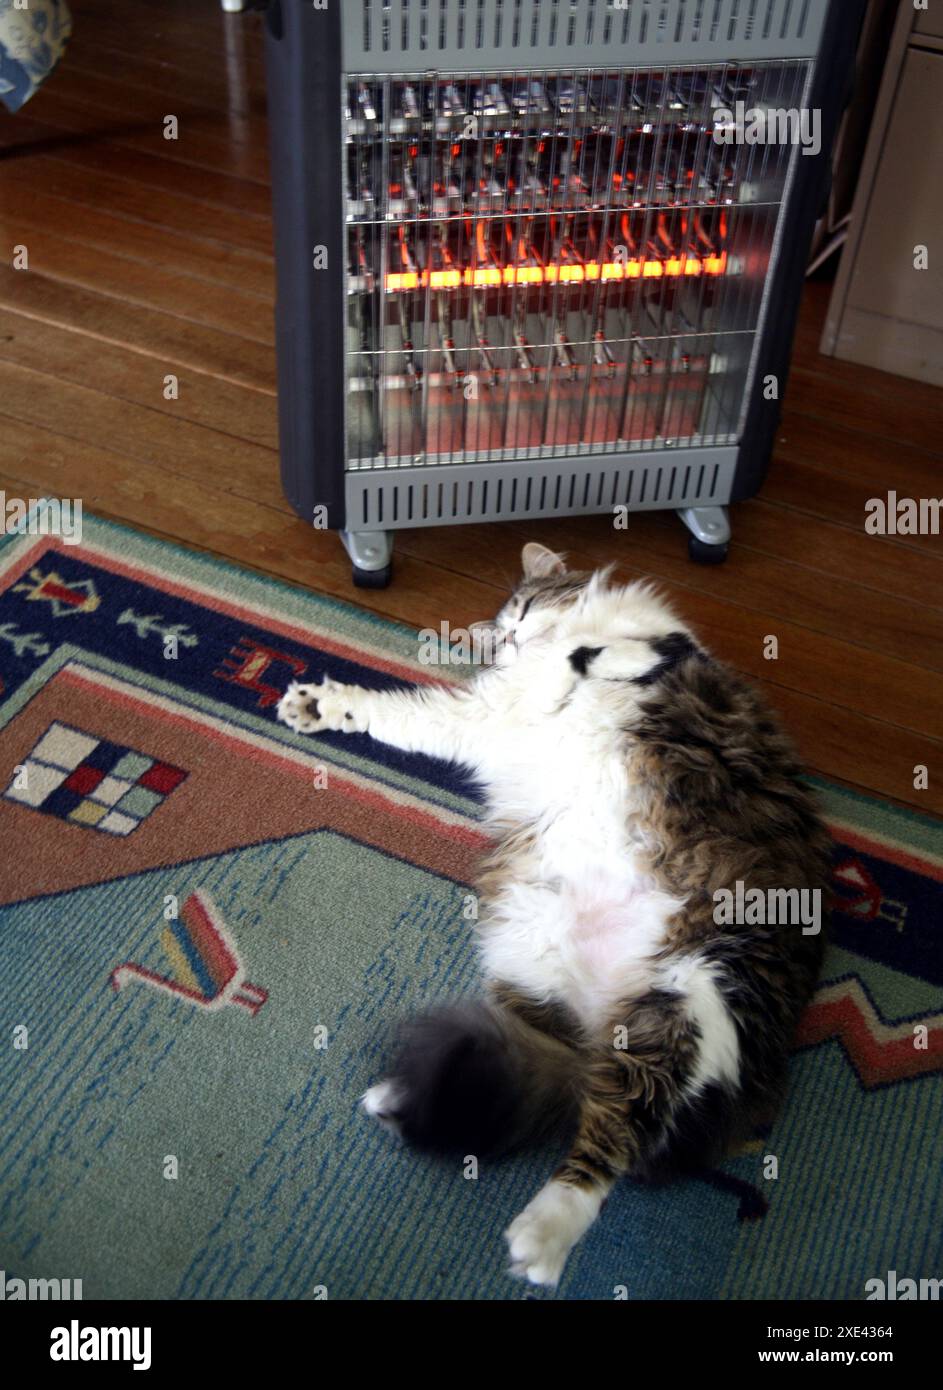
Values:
[(546, 265)]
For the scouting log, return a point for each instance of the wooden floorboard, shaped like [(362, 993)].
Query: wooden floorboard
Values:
[(158, 169), (151, 257), (30, 210), (77, 182), (73, 356), (172, 340)]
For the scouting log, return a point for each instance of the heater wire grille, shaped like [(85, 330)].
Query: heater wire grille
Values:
[(548, 265)]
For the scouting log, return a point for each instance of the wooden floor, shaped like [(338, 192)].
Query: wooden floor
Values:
[(149, 257)]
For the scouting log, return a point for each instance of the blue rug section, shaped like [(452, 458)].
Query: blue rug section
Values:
[(284, 1187), (857, 1192), (916, 950)]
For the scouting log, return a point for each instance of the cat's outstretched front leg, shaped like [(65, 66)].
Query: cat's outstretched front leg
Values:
[(436, 720)]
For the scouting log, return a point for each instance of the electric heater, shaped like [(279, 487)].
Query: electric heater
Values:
[(541, 257)]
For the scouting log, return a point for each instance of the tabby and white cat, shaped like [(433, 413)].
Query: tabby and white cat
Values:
[(629, 776)]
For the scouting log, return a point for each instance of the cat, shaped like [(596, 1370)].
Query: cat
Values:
[(629, 779)]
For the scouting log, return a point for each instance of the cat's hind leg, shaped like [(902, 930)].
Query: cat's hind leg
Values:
[(648, 1073), (542, 1236)]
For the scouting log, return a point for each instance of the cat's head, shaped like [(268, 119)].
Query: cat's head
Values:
[(553, 603), (547, 591)]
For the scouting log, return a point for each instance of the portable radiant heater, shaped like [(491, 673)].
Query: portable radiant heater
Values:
[(541, 257)]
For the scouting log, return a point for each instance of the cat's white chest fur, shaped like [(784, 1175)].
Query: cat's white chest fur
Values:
[(579, 916)]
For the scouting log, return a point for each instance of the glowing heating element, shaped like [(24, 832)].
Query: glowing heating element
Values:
[(483, 276)]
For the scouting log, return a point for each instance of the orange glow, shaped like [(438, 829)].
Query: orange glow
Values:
[(484, 275), (403, 248), (480, 241), (523, 275), (570, 273), (445, 279)]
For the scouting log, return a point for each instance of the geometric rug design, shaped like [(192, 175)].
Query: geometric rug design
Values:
[(91, 781), (211, 979), (206, 965)]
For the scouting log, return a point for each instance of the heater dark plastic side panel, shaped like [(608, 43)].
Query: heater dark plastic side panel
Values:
[(303, 57), (831, 84)]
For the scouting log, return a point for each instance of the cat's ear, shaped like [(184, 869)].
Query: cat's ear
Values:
[(538, 562)]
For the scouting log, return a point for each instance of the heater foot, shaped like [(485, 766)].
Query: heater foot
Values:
[(703, 554), (371, 554), (372, 579), (710, 533)]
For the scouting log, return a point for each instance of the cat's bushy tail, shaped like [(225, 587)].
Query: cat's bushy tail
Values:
[(473, 1078)]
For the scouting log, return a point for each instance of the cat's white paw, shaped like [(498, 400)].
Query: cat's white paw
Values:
[(309, 709), (380, 1101), (541, 1238)]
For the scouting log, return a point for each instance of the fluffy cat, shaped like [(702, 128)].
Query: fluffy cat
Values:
[(629, 776)]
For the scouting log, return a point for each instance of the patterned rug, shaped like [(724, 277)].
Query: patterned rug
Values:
[(207, 921)]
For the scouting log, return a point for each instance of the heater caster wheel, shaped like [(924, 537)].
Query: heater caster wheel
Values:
[(371, 557), (372, 579), (708, 534), (703, 554)]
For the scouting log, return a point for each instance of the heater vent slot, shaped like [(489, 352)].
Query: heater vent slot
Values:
[(477, 35), (410, 497)]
